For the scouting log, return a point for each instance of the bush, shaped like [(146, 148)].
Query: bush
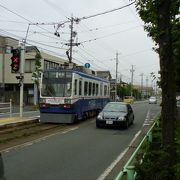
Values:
[(155, 164)]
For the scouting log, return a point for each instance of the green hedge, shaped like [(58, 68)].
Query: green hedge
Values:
[(155, 160)]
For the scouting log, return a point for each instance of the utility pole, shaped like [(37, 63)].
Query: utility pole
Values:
[(71, 40), (72, 36), (132, 75), (147, 86), (116, 76), (141, 83), (120, 83), (22, 78)]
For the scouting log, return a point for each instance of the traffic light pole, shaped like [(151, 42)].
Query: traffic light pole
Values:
[(22, 78)]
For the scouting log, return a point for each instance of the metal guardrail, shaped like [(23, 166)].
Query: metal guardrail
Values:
[(7, 106), (128, 171)]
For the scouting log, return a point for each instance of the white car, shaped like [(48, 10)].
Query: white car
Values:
[(152, 100)]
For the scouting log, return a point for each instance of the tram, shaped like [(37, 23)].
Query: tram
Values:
[(69, 95)]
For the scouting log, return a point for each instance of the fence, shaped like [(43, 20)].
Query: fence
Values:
[(6, 107), (128, 171)]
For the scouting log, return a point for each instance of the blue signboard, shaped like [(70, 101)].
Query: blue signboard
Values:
[(87, 65)]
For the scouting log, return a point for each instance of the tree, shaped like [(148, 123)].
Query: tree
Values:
[(176, 50), (159, 18), (37, 73)]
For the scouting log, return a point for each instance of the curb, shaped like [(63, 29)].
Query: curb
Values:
[(21, 122)]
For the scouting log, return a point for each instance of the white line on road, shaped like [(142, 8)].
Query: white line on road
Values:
[(114, 163)]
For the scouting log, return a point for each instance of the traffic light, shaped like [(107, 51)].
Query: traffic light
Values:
[(15, 60)]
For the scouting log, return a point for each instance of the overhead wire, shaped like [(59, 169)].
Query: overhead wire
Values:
[(99, 44), (109, 11), (19, 37), (87, 17), (107, 26), (112, 34), (30, 22)]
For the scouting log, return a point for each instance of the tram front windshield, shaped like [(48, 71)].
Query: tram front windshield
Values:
[(56, 84)]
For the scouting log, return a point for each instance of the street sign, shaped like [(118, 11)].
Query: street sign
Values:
[(87, 65)]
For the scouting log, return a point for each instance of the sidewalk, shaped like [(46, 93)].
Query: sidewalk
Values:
[(14, 121), (30, 114)]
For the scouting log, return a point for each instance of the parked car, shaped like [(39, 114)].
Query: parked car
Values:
[(128, 99), (115, 114), (152, 100)]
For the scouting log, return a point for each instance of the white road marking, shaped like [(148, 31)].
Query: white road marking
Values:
[(114, 163), (136, 135), (146, 124)]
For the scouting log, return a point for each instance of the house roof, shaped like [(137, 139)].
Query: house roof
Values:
[(32, 49)]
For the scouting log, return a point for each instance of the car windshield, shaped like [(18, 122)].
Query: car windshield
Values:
[(152, 97), (115, 107)]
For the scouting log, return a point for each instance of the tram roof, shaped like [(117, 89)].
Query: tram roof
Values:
[(83, 74)]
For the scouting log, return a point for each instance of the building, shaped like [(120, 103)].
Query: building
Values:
[(9, 84), (104, 74)]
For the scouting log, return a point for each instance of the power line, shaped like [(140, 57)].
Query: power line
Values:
[(98, 14), (108, 35), (22, 17), (102, 44), (109, 11), (19, 37), (45, 44), (105, 27), (15, 13), (10, 21)]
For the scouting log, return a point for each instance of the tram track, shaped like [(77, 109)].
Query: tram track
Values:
[(15, 135)]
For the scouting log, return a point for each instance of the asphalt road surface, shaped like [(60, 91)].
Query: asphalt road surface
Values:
[(82, 152)]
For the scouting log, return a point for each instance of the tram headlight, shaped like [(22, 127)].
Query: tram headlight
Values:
[(67, 101)]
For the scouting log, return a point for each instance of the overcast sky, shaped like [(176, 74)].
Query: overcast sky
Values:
[(100, 36)]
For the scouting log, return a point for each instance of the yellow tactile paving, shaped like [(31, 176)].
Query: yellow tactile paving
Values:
[(4, 121)]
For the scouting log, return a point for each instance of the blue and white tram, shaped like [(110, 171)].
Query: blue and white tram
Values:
[(67, 96)]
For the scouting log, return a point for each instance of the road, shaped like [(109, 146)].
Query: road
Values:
[(81, 152)]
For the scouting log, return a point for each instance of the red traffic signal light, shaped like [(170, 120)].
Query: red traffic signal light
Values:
[(15, 60)]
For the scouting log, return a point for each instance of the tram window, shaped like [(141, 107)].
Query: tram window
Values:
[(97, 89), (68, 74), (86, 88), (75, 87), (68, 89), (105, 90), (108, 91), (45, 74), (100, 89), (52, 74), (94, 90), (60, 74), (80, 88), (90, 88)]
